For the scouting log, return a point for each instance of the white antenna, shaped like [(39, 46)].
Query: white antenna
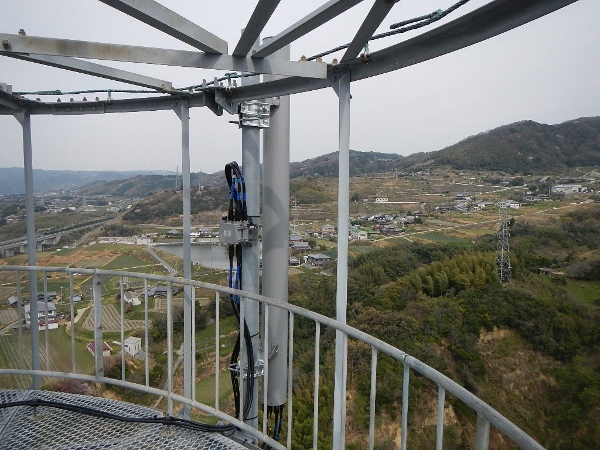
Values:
[(177, 178)]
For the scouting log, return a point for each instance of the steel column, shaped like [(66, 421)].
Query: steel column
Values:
[(183, 112), (25, 120), (251, 254), (276, 218), (342, 88)]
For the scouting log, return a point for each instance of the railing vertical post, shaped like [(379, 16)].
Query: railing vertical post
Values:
[(266, 344), (439, 440), (46, 325), (342, 88), (72, 311), (482, 433), (170, 347), (404, 430), (316, 387), (122, 309), (372, 398), (20, 317), (193, 292), (243, 361), (217, 347), (146, 333), (289, 379), (98, 339)]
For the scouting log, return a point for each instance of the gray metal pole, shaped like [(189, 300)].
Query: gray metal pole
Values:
[(342, 88), (25, 120), (251, 254), (183, 112), (276, 218)]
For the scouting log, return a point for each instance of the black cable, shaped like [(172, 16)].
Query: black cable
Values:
[(238, 211), (423, 21), (165, 420)]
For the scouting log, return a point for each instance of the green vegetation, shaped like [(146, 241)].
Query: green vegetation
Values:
[(438, 301)]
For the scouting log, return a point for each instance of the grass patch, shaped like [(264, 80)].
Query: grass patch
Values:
[(205, 389), (438, 237), (65, 252), (125, 262), (585, 291)]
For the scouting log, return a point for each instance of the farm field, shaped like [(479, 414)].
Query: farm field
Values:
[(57, 353)]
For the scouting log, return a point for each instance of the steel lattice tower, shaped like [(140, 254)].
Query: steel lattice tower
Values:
[(502, 252)]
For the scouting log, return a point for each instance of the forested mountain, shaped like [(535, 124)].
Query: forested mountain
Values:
[(528, 147), (522, 147), (516, 148)]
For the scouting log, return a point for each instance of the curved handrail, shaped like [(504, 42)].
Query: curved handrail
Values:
[(485, 411)]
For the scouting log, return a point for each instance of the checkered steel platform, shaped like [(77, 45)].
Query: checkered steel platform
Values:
[(50, 428)]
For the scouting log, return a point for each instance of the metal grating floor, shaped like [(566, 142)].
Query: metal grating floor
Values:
[(57, 429)]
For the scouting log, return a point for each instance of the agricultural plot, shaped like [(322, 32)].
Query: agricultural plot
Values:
[(56, 356), (111, 321), (8, 316), (125, 262)]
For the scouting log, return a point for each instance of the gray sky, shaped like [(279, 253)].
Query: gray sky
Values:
[(547, 71)]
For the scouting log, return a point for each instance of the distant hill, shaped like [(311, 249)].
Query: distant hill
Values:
[(516, 148), (528, 146), (522, 147), (12, 179)]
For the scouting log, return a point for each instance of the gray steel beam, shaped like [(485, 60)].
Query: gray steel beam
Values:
[(183, 112), (342, 89), (94, 69), (171, 23), (25, 121), (378, 12), (251, 253), (488, 21), (168, 57), (276, 220), (114, 106), (9, 102), (307, 24), (259, 18)]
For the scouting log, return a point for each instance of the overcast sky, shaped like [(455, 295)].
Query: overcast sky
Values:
[(547, 71)]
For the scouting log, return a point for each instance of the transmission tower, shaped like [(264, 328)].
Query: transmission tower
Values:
[(502, 252)]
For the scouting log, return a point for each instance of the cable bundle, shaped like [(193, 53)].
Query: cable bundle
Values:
[(275, 413), (238, 212)]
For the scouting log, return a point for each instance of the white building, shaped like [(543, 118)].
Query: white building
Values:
[(132, 297), (508, 204), (46, 314), (381, 200), (566, 189), (133, 345)]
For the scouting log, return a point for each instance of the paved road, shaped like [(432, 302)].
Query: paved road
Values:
[(170, 269)]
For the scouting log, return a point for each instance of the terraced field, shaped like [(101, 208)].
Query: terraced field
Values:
[(111, 320), (58, 357)]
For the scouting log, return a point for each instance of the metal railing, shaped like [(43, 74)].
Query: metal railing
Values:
[(41, 364)]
